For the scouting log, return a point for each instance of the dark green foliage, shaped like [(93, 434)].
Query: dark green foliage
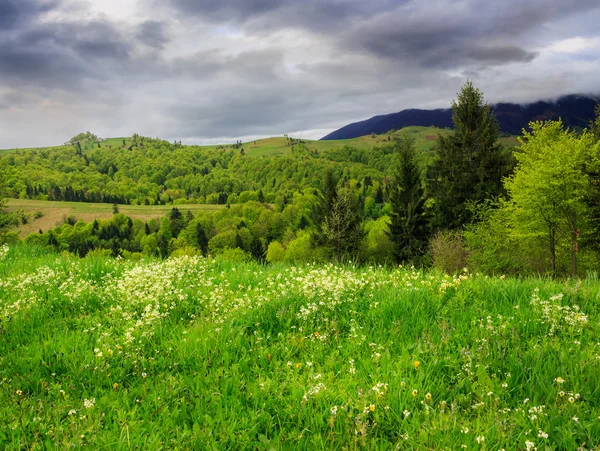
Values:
[(328, 198), (201, 239), (591, 237), (342, 231), (595, 125), (408, 226), (470, 164), (177, 221)]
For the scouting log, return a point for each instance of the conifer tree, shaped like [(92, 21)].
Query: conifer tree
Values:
[(202, 239), (469, 164), (342, 229), (408, 228), (592, 196)]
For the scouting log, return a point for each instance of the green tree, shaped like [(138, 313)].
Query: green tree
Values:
[(470, 163), (592, 197), (549, 185), (408, 228), (5, 220), (342, 229), (595, 125)]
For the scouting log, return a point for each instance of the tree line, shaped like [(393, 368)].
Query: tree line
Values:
[(477, 204)]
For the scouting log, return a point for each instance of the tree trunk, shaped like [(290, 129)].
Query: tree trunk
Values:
[(574, 244), (552, 237)]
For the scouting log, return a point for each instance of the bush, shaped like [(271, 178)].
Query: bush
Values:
[(98, 253), (235, 255), (186, 251), (448, 252), (275, 252)]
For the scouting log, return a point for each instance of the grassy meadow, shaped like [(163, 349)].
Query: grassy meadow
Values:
[(193, 353), (55, 212)]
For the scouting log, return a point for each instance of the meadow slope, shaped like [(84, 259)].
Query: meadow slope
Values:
[(191, 353)]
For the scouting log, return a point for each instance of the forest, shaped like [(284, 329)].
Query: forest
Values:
[(475, 203)]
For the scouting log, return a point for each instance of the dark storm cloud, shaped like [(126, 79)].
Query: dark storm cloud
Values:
[(153, 34), (200, 69), (61, 54), (472, 32), (428, 34), (16, 12), (64, 54)]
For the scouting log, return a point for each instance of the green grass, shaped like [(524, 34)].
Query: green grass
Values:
[(201, 354), (55, 211)]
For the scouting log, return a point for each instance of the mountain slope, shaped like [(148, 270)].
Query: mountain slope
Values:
[(575, 111)]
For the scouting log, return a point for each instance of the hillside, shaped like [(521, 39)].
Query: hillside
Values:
[(194, 353), (575, 111), (146, 171)]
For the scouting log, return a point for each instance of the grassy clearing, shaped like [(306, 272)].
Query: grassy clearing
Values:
[(200, 354), (54, 212)]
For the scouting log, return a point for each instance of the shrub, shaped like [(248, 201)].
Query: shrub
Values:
[(275, 252), (448, 252)]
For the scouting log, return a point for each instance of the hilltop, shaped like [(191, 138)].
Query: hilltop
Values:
[(425, 138), (576, 111)]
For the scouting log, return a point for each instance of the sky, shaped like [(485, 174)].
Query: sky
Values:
[(205, 71)]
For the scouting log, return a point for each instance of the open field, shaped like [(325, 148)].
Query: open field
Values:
[(200, 354), (54, 212)]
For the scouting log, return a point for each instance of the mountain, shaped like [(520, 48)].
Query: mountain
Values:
[(575, 111)]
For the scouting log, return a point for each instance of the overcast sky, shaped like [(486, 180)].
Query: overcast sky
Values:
[(205, 71)]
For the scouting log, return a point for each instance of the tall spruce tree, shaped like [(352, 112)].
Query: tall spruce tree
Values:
[(595, 125), (470, 163), (592, 197), (324, 206), (342, 229), (408, 227)]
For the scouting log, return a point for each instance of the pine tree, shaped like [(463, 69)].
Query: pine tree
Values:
[(201, 239), (592, 196), (469, 164), (595, 125), (327, 198), (408, 228), (342, 229)]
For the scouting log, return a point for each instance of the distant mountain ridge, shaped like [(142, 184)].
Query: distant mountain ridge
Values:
[(575, 111)]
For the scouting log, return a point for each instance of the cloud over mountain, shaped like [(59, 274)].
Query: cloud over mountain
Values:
[(204, 71)]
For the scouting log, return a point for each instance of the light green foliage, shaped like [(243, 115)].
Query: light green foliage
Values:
[(193, 353), (275, 252), (548, 187), (377, 246), (301, 249)]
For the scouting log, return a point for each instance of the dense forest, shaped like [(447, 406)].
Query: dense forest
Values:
[(148, 171), (476, 204)]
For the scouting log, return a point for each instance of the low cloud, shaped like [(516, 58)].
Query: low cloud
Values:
[(200, 70)]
